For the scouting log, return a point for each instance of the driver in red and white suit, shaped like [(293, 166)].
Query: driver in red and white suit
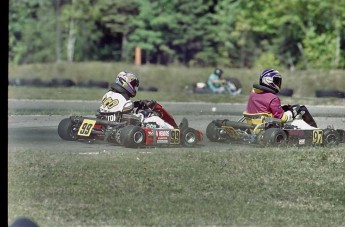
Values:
[(117, 100)]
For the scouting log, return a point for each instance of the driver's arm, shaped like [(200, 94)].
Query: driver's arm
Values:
[(128, 107)]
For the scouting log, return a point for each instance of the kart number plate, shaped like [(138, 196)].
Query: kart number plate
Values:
[(175, 136), (86, 127), (317, 137)]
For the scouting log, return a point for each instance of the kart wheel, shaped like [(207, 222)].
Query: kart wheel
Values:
[(330, 137), (273, 137), (132, 136), (117, 136), (341, 133), (212, 132), (285, 92), (189, 137), (233, 86), (66, 130)]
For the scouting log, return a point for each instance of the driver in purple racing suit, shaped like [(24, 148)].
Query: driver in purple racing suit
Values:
[(263, 97)]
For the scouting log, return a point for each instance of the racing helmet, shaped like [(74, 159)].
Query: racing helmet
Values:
[(271, 78), (218, 72), (128, 82)]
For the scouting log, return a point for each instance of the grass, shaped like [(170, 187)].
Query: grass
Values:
[(240, 186)]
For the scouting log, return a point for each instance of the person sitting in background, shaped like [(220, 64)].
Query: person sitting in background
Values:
[(215, 81), (263, 97), (117, 100)]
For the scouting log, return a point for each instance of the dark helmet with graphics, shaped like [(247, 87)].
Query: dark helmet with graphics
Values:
[(271, 78)]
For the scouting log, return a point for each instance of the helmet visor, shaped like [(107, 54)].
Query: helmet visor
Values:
[(135, 84), (277, 81)]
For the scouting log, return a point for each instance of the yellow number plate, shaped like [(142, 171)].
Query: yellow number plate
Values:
[(175, 136), (317, 137), (86, 127)]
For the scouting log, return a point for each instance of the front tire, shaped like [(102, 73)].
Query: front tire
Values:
[(330, 137), (189, 137), (212, 132)]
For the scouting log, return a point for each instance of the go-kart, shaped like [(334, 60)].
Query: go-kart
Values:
[(263, 130), (232, 86), (128, 130)]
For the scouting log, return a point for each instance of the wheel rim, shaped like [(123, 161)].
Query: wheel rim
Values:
[(138, 137), (331, 139), (280, 139), (190, 137)]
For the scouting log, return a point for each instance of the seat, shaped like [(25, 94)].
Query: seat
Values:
[(257, 119)]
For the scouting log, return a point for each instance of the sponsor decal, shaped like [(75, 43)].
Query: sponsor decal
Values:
[(301, 141), (296, 133), (111, 117), (159, 140), (151, 125), (164, 133)]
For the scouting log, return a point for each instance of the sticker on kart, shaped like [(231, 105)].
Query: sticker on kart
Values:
[(168, 136), (317, 136), (86, 127)]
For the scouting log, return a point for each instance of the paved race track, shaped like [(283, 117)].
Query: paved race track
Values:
[(39, 132)]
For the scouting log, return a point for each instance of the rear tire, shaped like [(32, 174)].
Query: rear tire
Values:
[(132, 136), (212, 132), (66, 131), (273, 137)]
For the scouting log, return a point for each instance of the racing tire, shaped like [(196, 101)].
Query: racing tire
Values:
[(212, 132), (189, 137), (341, 133), (132, 136), (329, 93), (285, 92), (330, 137), (234, 82), (56, 82), (273, 137), (66, 131), (98, 83)]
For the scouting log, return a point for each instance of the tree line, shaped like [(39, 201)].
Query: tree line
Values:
[(301, 34)]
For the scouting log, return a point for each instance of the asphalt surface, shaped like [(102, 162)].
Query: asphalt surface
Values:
[(39, 132)]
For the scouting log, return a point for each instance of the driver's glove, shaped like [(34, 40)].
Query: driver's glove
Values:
[(141, 104), (289, 115), (151, 104)]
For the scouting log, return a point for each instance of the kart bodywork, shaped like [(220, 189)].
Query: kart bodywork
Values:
[(261, 129), (128, 130)]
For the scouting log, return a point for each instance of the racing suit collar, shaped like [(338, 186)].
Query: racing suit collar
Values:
[(263, 88)]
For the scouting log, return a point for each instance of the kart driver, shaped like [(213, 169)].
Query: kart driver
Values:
[(117, 100), (215, 81), (263, 97)]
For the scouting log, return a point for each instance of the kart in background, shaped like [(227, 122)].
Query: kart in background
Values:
[(232, 87), (263, 130), (128, 130)]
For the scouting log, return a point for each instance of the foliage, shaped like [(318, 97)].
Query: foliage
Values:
[(300, 34)]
